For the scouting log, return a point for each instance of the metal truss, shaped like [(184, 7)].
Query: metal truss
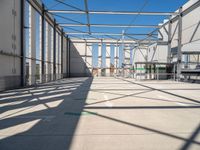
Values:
[(115, 36), (151, 37)]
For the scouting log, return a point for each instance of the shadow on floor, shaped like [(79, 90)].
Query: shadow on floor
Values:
[(163, 91), (44, 117)]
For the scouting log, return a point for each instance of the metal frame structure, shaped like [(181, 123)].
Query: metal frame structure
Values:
[(79, 35), (90, 33), (124, 38)]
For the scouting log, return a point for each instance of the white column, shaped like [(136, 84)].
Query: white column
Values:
[(51, 53), (40, 47), (108, 59), (47, 51), (32, 46)]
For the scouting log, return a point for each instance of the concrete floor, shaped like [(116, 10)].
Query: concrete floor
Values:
[(101, 114)]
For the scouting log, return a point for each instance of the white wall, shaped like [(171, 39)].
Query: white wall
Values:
[(10, 43)]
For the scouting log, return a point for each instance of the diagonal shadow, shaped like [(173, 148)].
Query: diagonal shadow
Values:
[(142, 107), (145, 128), (117, 98), (152, 99), (188, 143), (186, 98), (54, 134)]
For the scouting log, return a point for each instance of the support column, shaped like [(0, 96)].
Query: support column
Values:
[(48, 52), (58, 43), (85, 60), (100, 54), (100, 49), (62, 36), (169, 41), (23, 60), (117, 57), (179, 44), (54, 51), (42, 46), (123, 55), (32, 46), (69, 63), (107, 65), (67, 55)]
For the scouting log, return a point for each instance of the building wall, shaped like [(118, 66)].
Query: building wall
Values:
[(10, 47), (191, 31), (157, 53), (80, 60), (190, 35), (10, 68)]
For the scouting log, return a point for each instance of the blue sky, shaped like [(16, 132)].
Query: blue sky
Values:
[(115, 5)]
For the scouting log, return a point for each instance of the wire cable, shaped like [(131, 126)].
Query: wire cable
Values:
[(134, 19)]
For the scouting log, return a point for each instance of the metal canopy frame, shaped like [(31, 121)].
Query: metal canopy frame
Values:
[(77, 34)]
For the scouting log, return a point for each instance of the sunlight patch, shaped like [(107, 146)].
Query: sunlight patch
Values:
[(54, 103), (17, 129)]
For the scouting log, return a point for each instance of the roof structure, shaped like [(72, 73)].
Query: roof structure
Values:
[(70, 17)]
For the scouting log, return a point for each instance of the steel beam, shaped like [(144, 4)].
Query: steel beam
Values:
[(175, 18), (109, 25), (68, 5), (114, 12), (109, 42), (87, 14), (112, 34)]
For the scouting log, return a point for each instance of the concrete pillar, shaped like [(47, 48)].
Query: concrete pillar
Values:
[(108, 59), (60, 60), (117, 57), (54, 50), (99, 54), (40, 48), (47, 51), (51, 39), (169, 41), (179, 44), (32, 45), (131, 56), (57, 54)]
